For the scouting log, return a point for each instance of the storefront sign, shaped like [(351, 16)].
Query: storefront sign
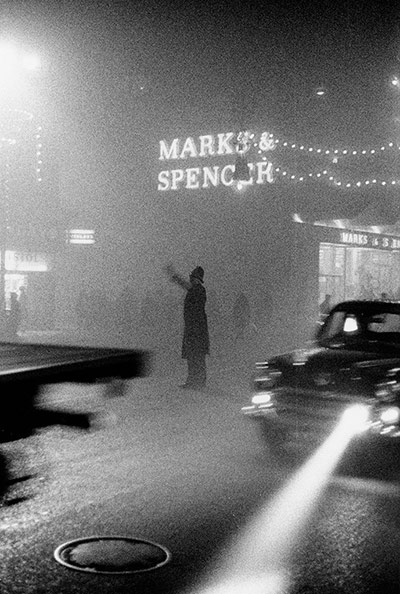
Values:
[(371, 240), (26, 262), (81, 236), (213, 147)]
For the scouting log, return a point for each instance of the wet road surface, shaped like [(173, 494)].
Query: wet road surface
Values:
[(186, 470)]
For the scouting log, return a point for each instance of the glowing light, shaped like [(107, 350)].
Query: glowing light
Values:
[(390, 415), (14, 63), (260, 558), (350, 325), (227, 143), (81, 236), (354, 419), (31, 62), (261, 398)]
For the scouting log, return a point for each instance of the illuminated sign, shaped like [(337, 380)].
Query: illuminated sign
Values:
[(26, 262), (369, 240), (80, 236), (212, 146)]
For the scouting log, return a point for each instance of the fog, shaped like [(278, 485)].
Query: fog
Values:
[(119, 77)]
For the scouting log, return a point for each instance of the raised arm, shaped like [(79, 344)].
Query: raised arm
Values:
[(176, 278)]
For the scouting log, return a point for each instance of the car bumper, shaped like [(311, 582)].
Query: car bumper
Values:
[(268, 414)]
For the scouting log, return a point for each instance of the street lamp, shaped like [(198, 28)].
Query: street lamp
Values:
[(14, 60), (17, 67)]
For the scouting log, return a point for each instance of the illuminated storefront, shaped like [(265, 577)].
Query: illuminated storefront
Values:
[(33, 272), (241, 230), (349, 264), (352, 272)]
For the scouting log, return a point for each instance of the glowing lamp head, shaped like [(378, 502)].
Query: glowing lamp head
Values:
[(355, 418), (31, 62)]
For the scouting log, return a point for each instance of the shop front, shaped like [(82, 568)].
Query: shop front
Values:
[(30, 275), (353, 271), (225, 201), (345, 264)]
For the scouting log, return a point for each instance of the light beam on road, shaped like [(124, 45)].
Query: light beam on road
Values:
[(259, 560)]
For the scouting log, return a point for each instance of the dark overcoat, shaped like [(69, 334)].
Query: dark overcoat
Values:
[(196, 339)]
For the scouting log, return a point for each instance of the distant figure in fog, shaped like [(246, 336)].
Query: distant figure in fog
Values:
[(126, 307), (196, 341), (326, 305), (23, 302), (14, 317), (240, 315), (83, 308)]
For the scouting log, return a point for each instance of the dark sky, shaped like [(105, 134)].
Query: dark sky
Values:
[(244, 60)]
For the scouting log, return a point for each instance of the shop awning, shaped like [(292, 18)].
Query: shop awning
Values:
[(373, 207)]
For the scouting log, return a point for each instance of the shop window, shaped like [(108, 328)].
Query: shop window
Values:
[(358, 273), (331, 272)]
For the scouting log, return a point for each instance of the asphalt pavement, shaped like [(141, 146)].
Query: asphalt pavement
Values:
[(183, 469)]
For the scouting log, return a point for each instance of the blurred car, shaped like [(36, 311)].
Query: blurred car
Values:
[(298, 397)]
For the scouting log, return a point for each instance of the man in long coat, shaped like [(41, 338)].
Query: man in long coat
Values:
[(196, 341)]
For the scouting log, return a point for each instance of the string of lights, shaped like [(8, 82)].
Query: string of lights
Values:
[(266, 142), (334, 180), (39, 161), (13, 122), (346, 152)]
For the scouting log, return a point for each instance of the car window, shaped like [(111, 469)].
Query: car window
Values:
[(345, 326), (387, 322), (334, 325)]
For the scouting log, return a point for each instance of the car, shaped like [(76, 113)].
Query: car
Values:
[(298, 397)]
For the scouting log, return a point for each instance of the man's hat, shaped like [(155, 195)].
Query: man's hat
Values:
[(198, 273)]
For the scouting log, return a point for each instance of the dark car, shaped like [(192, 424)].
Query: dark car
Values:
[(299, 397)]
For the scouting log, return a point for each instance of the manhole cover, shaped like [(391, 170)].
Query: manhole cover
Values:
[(111, 554)]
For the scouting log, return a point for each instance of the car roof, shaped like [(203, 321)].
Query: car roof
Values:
[(367, 306)]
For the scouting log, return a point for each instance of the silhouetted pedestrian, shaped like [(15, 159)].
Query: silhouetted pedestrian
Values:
[(196, 341), (240, 315), (14, 317), (325, 306), (23, 302)]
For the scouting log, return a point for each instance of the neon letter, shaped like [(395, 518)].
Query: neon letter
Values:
[(188, 147), (177, 176), (192, 180), (224, 148), (264, 172), (210, 175), (230, 168), (206, 145), (163, 179), (171, 152)]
